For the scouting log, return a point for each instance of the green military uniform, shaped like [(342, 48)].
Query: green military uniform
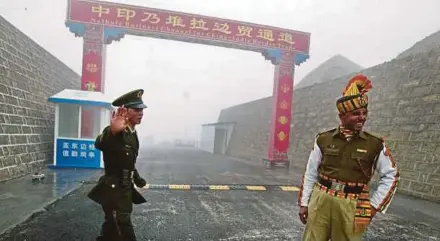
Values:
[(349, 161), (115, 191), (335, 186), (353, 162)]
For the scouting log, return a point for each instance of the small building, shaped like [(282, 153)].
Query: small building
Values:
[(79, 118), (215, 137)]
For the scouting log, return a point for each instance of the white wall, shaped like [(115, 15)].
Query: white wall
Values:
[(230, 130), (207, 138)]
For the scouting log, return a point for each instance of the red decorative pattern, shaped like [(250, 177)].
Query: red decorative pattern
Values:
[(92, 70), (283, 92)]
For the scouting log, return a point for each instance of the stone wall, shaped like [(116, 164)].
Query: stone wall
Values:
[(28, 76), (404, 108), (251, 130)]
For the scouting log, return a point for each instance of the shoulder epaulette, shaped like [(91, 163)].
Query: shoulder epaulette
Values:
[(324, 132)]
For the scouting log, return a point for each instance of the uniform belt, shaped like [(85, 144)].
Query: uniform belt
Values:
[(123, 173), (340, 187), (123, 180)]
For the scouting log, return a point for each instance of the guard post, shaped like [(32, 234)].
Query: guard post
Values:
[(74, 138)]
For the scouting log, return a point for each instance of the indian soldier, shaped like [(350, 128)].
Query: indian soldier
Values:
[(334, 198), (115, 191)]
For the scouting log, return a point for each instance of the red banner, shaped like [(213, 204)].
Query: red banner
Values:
[(91, 72), (92, 67), (283, 113), (186, 27), (91, 81), (281, 118), (279, 139)]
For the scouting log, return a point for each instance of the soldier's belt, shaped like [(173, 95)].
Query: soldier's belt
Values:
[(339, 187), (120, 174), (123, 181)]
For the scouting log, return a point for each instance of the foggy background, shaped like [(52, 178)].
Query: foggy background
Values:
[(187, 85)]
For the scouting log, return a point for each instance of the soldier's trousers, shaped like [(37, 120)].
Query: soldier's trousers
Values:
[(330, 218), (117, 226)]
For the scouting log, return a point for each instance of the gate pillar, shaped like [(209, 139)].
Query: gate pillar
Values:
[(279, 137), (93, 70)]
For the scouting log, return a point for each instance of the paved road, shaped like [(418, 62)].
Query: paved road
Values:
[(202, 215)]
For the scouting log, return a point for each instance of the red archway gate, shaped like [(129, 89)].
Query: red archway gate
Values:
[(100, 23)]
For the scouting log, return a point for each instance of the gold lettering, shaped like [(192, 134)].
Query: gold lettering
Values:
[(151, 18), (265, 34), (244, 31), (285, 88), (91, 67), (282, 136), (126, 13), (100, 10), (286, 37), (90, 85), (284, 105), (221, 27), (176, 21), (198, 24), (283, 120)]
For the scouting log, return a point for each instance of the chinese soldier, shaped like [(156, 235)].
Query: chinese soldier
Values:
[(115, 190), (334, 198)]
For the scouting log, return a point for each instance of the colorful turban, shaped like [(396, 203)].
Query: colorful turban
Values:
[(354, 95)]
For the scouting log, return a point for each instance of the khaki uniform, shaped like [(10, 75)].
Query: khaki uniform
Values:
[(349, 161), (330, 216), (337, 177)]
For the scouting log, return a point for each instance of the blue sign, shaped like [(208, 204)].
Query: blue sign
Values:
[(77, 153)]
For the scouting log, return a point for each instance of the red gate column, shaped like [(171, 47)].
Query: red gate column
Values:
[(92, 78), (282, 108), (93, 58)]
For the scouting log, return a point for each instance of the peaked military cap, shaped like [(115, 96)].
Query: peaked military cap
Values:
[(132, 99)]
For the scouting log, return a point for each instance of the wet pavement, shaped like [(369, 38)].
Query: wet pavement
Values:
[(212, 214), (22, 197)]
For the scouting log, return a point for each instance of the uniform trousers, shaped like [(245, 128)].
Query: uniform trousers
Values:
[(330, 218), (117, 225)]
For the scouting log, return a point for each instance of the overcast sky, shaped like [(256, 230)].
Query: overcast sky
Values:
[(187, 85)]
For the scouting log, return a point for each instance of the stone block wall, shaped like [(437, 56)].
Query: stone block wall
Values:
[(404, 108), (251, 129), (28, 76)]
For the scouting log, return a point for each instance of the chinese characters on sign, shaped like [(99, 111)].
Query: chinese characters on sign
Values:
[(72, 149), (77, 153), (146, 20)]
